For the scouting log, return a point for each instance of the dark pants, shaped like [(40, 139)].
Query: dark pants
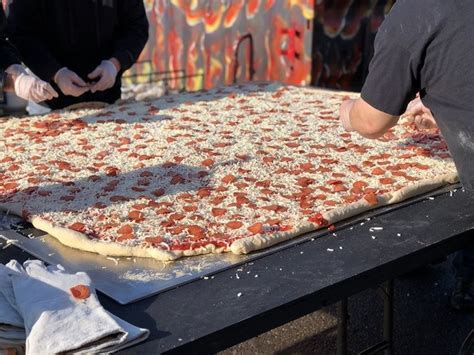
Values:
[(464, 263)]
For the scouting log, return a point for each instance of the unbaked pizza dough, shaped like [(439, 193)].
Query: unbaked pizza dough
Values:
[(233, 169)]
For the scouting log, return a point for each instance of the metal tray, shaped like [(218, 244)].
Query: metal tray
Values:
[(127, 280)]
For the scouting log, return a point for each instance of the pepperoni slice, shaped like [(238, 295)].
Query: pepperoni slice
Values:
[(118, 198), (196, 231), (386, 181), (136, 216), (378, 171), (228, 179), (354, 168), (304, 181), (176, 216), (10, 185), (371, 198), (234, 224), (359, 184), (159, 192), (318, 219), (177, 179), (190, 208), (81, 292), (217, 212), (78, 227), (339, 188), (111, 171), (256, 228), (154, 240), (125, 229), (207, 162), (275, 208)]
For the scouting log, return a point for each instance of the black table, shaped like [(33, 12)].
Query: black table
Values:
[(211, 314)]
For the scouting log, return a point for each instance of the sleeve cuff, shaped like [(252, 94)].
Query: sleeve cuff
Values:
[(125, 59), (377, 102)]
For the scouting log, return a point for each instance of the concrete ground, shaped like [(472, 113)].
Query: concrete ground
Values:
[(424, 323)]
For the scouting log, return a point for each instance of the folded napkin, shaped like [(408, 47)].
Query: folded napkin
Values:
[(61, 312), (12, 331)]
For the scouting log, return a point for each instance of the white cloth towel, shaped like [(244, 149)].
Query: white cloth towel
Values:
[(61, 312), (12, 331)]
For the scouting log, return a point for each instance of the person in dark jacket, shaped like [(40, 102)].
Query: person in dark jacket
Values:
[(14, 77), (80, 47)]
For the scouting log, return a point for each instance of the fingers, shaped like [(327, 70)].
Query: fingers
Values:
[(96, 73), (104, 83), (425, 121), (415, 107), (40, 92), (76, 80), (50, 90)]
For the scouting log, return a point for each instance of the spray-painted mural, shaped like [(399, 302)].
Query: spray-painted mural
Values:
[(219, 41), (214, 42)]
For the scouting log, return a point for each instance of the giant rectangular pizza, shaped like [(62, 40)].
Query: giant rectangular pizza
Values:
[(232, 169)]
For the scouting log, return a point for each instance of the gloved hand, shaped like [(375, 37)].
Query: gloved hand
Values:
[(70, 83), (29, 87), (106, 72), (344, 115), (62, 313)]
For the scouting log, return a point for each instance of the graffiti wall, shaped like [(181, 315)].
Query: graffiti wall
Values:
[(204, 43), (221, 41)]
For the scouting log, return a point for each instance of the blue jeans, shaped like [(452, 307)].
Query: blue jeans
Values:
[(464, 263)]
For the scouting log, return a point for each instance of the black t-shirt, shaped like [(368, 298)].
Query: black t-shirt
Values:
[(427, 46)]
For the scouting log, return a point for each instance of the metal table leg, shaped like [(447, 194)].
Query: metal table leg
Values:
[(387, 344), (342, 327), (388, 316)]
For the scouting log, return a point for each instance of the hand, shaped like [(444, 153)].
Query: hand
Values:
[(106, 72), (344, 115), (29, 87), (419, 114), (70, 83)]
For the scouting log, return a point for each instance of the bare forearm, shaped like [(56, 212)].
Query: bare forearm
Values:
[(370, 122)]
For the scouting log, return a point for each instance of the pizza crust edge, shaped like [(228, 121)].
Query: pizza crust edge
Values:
[(80, 241)]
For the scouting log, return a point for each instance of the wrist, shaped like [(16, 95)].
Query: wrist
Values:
[(116, 64), (9, 84), (15, 70), (55, 78)]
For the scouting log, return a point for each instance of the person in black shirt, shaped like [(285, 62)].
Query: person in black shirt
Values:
[(80, 47), (14, 77), (425, 47)]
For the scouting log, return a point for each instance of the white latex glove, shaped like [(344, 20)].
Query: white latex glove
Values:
[(70, 83), (106, 72), (62, 313), (28, 86), (12, 331)]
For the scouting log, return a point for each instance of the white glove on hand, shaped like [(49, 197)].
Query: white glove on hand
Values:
[(107, 72), (29, 87), (70, 83), (62, 313), (12, 331)]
